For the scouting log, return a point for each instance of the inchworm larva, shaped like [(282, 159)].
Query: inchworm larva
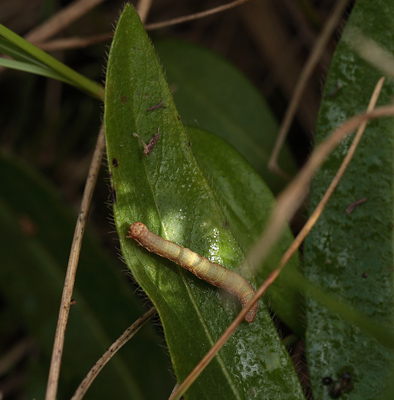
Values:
[(213, 273)]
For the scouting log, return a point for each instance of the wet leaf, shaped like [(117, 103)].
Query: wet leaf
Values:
[(351, 253)]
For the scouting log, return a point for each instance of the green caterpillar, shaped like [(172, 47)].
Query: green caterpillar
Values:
[(213, 273)]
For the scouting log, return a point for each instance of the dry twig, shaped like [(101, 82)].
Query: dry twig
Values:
[(202, 14), (334, 183), (74, 42), (49, 28), (143, 9), (57, 352), (61, 20), (313, 59), (112, 350)]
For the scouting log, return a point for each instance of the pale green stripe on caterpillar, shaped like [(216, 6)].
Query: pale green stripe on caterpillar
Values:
[(213, 273)]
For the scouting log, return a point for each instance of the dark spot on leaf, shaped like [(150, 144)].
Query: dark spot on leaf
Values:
[(346, 376), (115, 162), (327, 381)]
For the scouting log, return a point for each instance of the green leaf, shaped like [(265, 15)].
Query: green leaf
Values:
[(36, 230), (16, 52), (169, 193), (33, 69), (214, 96), (351, 255), (247, 203), (27, 49)]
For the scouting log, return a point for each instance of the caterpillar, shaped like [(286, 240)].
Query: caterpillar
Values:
[(213, 273)]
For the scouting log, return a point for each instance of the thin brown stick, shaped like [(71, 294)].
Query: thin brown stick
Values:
[(65, 304), (175, 388), (294, 193), (61, 20), (79, 42), (307, 70), (143, 9), (334, 183), (72, 267), (57, 352), (13, 355), (370, 50), (112, 350), (202, 14), (74, 42)]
